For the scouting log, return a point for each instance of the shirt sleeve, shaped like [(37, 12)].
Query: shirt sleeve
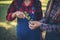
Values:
[(50, 27), (11, 10), (43, 20)]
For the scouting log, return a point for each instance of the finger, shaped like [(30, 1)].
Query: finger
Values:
[(17, 12), (29, 24), (32, 23), (31, 27), (20, 15)]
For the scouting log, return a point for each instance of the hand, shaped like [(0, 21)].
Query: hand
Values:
[(20, 14), (34, 24)]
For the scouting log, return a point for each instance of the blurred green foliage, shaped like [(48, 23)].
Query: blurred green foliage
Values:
[(3, 11), (7, 34)]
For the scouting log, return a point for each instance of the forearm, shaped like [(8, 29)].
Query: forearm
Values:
[(10, 16)]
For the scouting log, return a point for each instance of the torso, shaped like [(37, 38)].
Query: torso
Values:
[(30, 9)]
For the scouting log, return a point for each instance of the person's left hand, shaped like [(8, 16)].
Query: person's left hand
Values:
[(34, 24)]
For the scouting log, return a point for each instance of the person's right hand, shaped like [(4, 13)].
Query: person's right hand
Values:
[(34, 24), (19, 14)]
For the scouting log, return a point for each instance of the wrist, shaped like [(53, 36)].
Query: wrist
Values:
[(13, 15), (41, 24)]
